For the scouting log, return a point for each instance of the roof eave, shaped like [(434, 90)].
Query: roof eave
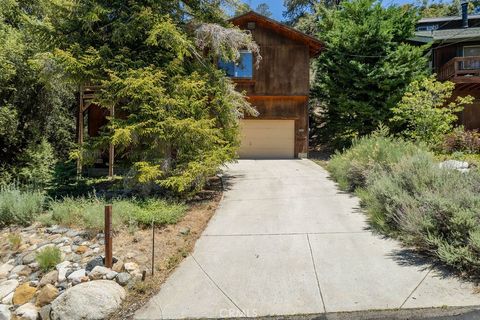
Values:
[(315, 45)]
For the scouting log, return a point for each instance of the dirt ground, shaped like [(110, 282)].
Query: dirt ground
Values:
[(172, 244)]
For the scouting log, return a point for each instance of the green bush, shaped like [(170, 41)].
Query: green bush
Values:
[(48, 258), (38, 164), (421, 203), (19, 207), (407, 195), (377, 151), (89, 212)]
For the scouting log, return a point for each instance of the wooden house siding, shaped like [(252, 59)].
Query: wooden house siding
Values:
[(280, 86)]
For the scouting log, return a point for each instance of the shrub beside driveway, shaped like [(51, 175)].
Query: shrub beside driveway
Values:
[(408, 196)]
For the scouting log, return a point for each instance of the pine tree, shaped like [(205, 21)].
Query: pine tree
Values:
[(156, 64)]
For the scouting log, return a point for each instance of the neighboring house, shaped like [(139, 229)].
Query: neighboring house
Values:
[(455, 56), (279, 88)]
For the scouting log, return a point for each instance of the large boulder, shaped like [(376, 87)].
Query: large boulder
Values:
[(102, 298)]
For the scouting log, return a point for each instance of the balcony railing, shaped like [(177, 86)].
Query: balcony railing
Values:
[(461, 69)]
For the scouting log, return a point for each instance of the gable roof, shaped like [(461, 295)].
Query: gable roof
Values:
[(315, 46)]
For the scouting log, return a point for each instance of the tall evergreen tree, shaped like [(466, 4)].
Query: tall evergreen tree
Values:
[(156, 64), (366, 67)]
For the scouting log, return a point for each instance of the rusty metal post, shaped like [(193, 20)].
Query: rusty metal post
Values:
[(108, 236)]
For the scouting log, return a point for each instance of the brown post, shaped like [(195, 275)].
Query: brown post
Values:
[(108, 236), (80, 130), (111, 151)]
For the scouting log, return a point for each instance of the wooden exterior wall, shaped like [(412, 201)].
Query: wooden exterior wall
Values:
[(280, 86), (470, 116)]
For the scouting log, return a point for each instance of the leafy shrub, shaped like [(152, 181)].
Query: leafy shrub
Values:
[(423, 112), (352, 167), (19, 207), (463, 141), (48, 258), (89, 212)]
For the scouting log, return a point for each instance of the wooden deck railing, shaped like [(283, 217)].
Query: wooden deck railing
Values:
[(460, 67)]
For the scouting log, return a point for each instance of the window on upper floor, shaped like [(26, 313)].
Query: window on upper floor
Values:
[(241, 69)]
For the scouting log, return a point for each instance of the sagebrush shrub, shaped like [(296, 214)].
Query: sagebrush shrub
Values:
[(435, 209), (19, 207), (352, 167)]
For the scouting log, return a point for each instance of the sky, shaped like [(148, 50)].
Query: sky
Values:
[(277, 8)]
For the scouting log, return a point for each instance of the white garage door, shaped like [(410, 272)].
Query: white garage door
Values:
[(267, 139)]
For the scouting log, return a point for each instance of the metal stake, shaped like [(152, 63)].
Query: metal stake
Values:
[(153, 246)]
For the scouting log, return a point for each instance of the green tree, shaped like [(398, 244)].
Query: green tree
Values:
[(36, 100), (365, 68), (156, 64), (264, 10), (424, 112)]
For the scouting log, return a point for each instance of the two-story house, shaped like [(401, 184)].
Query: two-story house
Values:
[(455, 56), (279, 88)]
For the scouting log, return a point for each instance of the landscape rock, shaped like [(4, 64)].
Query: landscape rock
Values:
[(22, 270), (88, 301), (62, 269), (81, 249), (29, 257), (49, 278), (45, 312), (46, 295), (111, 275), (8, 299), (5, 269), (76, 276), (118, 266), (123, 278), (5, 313), (34, 266), (27, 311), (57, 230), (98, 273), (454, 164), (185, 231), (7, 287), (131, 267), (97, 261), (24, 293)]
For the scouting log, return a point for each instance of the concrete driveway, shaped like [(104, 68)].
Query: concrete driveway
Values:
[(286, 241)]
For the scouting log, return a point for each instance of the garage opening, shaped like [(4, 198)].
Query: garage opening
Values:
[(263, 139)]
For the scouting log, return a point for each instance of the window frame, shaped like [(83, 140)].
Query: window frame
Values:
[(247, 78)]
